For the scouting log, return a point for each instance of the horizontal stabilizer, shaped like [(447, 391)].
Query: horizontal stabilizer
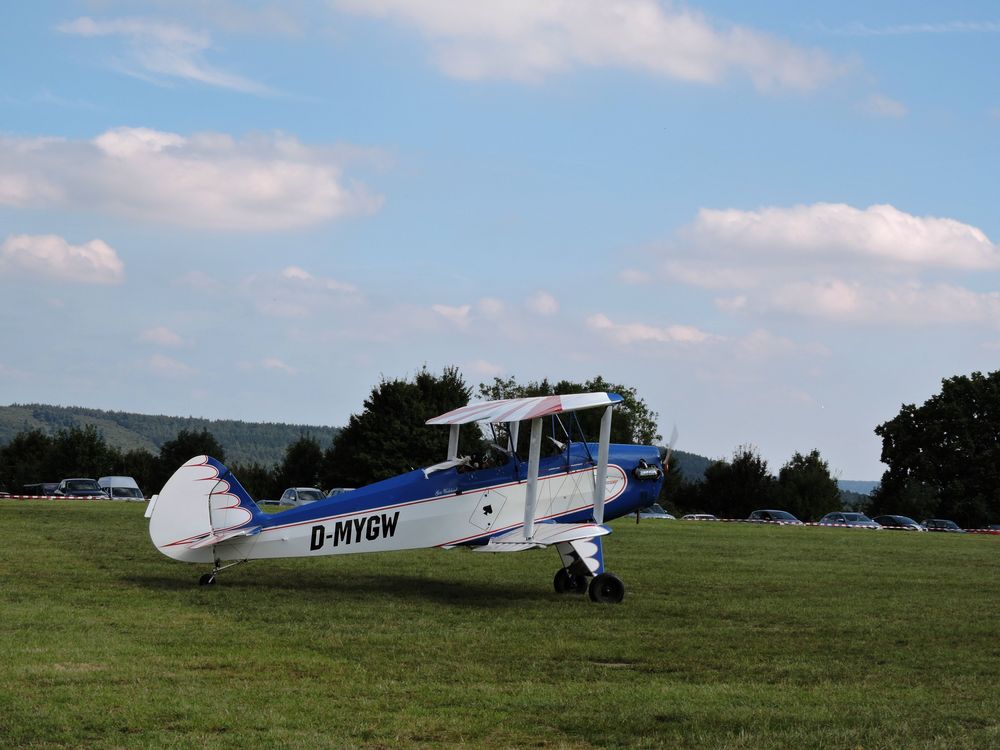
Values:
[(223, 536)]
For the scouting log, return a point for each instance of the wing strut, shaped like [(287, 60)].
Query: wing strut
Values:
[(453, 441), (601, 481), (534, 452)]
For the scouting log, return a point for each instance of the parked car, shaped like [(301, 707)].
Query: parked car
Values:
[(41, 488), (80, 487), (699, 517), (121, 488), (339, 491), (782, 517), (654, 511), (854, 520), (942, 524), (300, 496), (899, 523)]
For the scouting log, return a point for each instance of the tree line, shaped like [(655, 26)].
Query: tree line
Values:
[(943, 457)]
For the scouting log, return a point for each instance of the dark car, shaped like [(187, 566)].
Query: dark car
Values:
[(80, 488), (781, 517), (942, 524), (898, 523), (849, 519)]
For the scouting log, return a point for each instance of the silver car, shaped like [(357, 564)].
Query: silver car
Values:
[(853, 520), (296, 496)]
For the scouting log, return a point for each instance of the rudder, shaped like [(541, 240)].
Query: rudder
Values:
[(202, 497)]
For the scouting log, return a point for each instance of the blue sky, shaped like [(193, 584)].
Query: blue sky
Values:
[(778, 223)]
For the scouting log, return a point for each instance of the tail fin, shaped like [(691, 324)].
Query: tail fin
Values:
[(201, 499)]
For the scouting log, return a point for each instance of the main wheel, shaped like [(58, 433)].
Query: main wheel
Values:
[(207, 580), (607, 588), (567, 583)]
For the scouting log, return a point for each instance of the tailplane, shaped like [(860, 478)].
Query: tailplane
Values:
[(200, 504)]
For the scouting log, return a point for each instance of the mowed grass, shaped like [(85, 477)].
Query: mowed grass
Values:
[(730, 636)]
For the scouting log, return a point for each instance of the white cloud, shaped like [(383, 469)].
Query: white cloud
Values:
[(911, 303), (160, 335), (543, 303), (50, 256), (207, 180), (458, 315), (882, 106), (167, 367), (629, 333), (839, 263), (155, 49), (295, 293), (836, 231), (273, 363), (530, 39), (490, 307), (484, 368)]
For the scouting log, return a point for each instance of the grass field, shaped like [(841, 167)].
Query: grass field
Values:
[(730, 636)]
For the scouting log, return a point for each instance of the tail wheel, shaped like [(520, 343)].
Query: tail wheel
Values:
[(568, 583), (607, 588)]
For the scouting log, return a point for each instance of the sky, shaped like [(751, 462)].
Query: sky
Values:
[(777, 221)]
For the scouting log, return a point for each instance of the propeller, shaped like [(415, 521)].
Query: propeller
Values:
[(665, 454)]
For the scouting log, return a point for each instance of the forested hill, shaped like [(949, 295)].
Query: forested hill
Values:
[(244, 442)]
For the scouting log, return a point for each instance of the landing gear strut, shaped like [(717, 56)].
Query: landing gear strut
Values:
[(209, 578)]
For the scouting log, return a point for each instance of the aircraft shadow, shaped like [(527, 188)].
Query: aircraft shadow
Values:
[(349, 589)]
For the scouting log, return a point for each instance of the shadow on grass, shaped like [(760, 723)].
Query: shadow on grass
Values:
[(354, 587)]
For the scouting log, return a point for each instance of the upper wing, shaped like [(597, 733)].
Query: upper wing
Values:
[(517, 409)]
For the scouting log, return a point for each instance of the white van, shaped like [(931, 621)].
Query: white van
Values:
[(121, 488)]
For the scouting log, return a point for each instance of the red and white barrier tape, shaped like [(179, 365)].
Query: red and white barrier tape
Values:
[(835, 525), (48, 497)]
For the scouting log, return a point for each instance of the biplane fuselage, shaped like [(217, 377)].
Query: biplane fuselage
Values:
[(203, 514), (446, 508)]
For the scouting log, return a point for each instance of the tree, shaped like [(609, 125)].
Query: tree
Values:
[(79, 452), (633, 422), (734, 489), (188, 444), (258, 480), (390, 435), (944, 456), (302, 465), (805, 487), (25, 460)]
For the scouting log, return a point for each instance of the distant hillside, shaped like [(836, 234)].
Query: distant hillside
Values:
[(692, 465), (263, 442), (862, 488)]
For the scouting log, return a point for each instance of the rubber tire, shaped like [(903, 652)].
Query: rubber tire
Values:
[(607, 588), (568, 583), (207, 580)]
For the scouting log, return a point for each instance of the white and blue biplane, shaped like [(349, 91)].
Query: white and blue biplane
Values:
[(204, 515)]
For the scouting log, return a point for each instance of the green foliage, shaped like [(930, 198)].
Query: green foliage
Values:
[(244, 442), (301, 467), (25, 460), (390, 435), (633, 422), (806, 489), (944, 456), (733, 489)]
